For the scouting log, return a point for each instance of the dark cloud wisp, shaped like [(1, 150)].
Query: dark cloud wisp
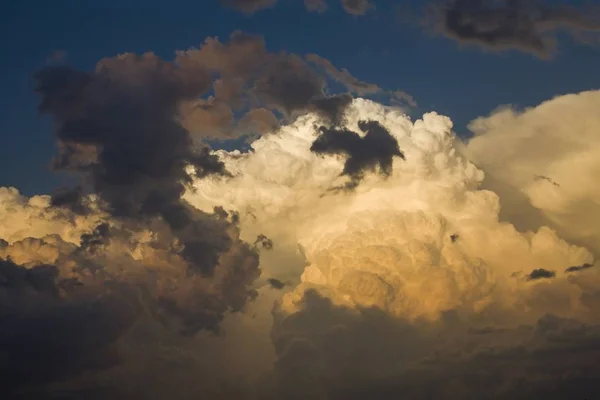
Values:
[(528, 26), (376, 149)]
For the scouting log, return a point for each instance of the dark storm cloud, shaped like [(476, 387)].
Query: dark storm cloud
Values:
[(540, 273), (376, 149), (332, 108), (133, 128), (276, 283), (70, 198), (122, 131), (95, 239), (577, 268), (84, 315), (289, 84), (357, 86), (357, 7), (133, 131), (127, 110), (528, 26)]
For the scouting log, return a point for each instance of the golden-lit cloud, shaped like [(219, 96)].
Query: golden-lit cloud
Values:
[(395, 261)]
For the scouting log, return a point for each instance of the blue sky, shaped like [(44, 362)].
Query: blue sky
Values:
[(461, 82)]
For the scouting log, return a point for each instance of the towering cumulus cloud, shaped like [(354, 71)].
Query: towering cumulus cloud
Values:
[(413, 286)]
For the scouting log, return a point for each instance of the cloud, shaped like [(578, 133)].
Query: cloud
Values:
[(528, 26), (402, 287), (79, 313), (577, 268), (429, 226), (540, 273), (249, 78), (330, 351), (50, 331), (357, 86), (276, 283), (376, 149), (133, 129), (126, 109)]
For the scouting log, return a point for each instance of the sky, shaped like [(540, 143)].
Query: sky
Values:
[(300, 199), (457, 80)]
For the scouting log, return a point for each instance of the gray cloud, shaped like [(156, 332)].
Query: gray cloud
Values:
[(528, 26), (357, 86), (344, 76), (376, 149), (540, 273), (126, 109), (577, 268), (329, 351)]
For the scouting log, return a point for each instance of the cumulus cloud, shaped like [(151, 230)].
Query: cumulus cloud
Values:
[(376, 149), (413, 281), (524, 25), (515, 147), (357, 86)]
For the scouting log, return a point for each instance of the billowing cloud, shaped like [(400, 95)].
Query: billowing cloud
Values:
[(557, 140), (540, 273), (414, 286), (432, 278), (375, 150), (529, 26)]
